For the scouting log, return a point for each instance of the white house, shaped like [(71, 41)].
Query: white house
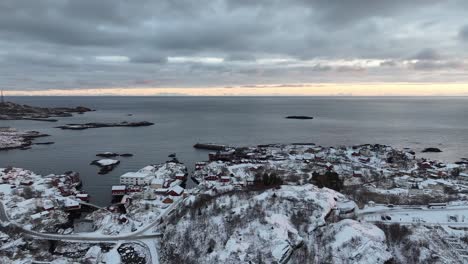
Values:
[(135, 178), (157, 183)]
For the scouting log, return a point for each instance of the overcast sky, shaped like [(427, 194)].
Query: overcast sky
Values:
[(99, 44)]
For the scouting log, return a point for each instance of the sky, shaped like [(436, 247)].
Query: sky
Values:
[(234, 47)]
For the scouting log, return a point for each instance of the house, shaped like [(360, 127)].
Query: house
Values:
[(180, 176), (83, 197), (221, 155), (39, 215), (48, 205), (118, 190), (199, 165), (83, 225), (167, 200), (250, 180), (70, 204), (135, 178), (161, 191), (364, 160), (157, 183), (132, 189), (211, 178), (225, 179), (175, 191), (26, 182), (425, 165), (357, 173)]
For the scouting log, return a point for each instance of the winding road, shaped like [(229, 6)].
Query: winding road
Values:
[(142, 235)]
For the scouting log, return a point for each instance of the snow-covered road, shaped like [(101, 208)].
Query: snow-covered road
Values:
[(144, 235), (456, 216)]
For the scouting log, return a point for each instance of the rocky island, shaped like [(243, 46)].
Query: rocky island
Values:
[(106, 165), (432, 149), (301, 117), (108, 154), (13, 111), (100, 125), (11, 138)]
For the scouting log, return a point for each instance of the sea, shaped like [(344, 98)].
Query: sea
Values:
[(180, 122)]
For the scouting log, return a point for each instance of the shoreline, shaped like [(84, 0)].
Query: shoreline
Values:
[(373, 183)]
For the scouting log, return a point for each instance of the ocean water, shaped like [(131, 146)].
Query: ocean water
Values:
[(180, 122)]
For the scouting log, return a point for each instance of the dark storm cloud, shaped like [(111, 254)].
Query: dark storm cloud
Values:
[(107, 43), (428, 54), (464, 33)]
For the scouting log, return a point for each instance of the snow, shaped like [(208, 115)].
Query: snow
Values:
[(356, 242), (119, 188), (136, 175), (157, 181), (177, 189), (5, 189), (40, 215), (71, 203), (107, 162), (112, 257)]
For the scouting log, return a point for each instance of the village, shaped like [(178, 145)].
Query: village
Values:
[(368, 173), (380, 185)]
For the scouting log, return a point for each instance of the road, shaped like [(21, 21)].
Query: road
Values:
[(143, 235), (411, 210), (423, 216), (3, 214)]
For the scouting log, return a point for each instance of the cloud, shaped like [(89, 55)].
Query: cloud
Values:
[(148, 58), (463, 34), (438, 65), (89, 44), (427, 54)]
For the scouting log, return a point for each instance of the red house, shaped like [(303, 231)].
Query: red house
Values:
[(167, 200), (225, 179), (180, 176), (72, 205), (26, 183), (119, 189), (83, 197), (176, 191), (357, 173), (211, 178)]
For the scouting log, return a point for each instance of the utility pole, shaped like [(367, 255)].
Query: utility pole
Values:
[(2, 99)]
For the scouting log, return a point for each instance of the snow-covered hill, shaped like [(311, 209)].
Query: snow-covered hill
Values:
[(270, 226)]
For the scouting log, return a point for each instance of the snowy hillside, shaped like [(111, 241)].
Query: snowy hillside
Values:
[(270, 226)]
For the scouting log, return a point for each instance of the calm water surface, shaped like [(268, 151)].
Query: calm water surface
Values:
[(182, 121)]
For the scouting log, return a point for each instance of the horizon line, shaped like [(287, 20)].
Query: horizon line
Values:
[(298, 89)]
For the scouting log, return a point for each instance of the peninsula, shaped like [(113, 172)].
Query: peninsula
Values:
[(13, 111)]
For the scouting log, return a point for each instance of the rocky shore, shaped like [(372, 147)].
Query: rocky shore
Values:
[(11, 138), (13, 111)]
